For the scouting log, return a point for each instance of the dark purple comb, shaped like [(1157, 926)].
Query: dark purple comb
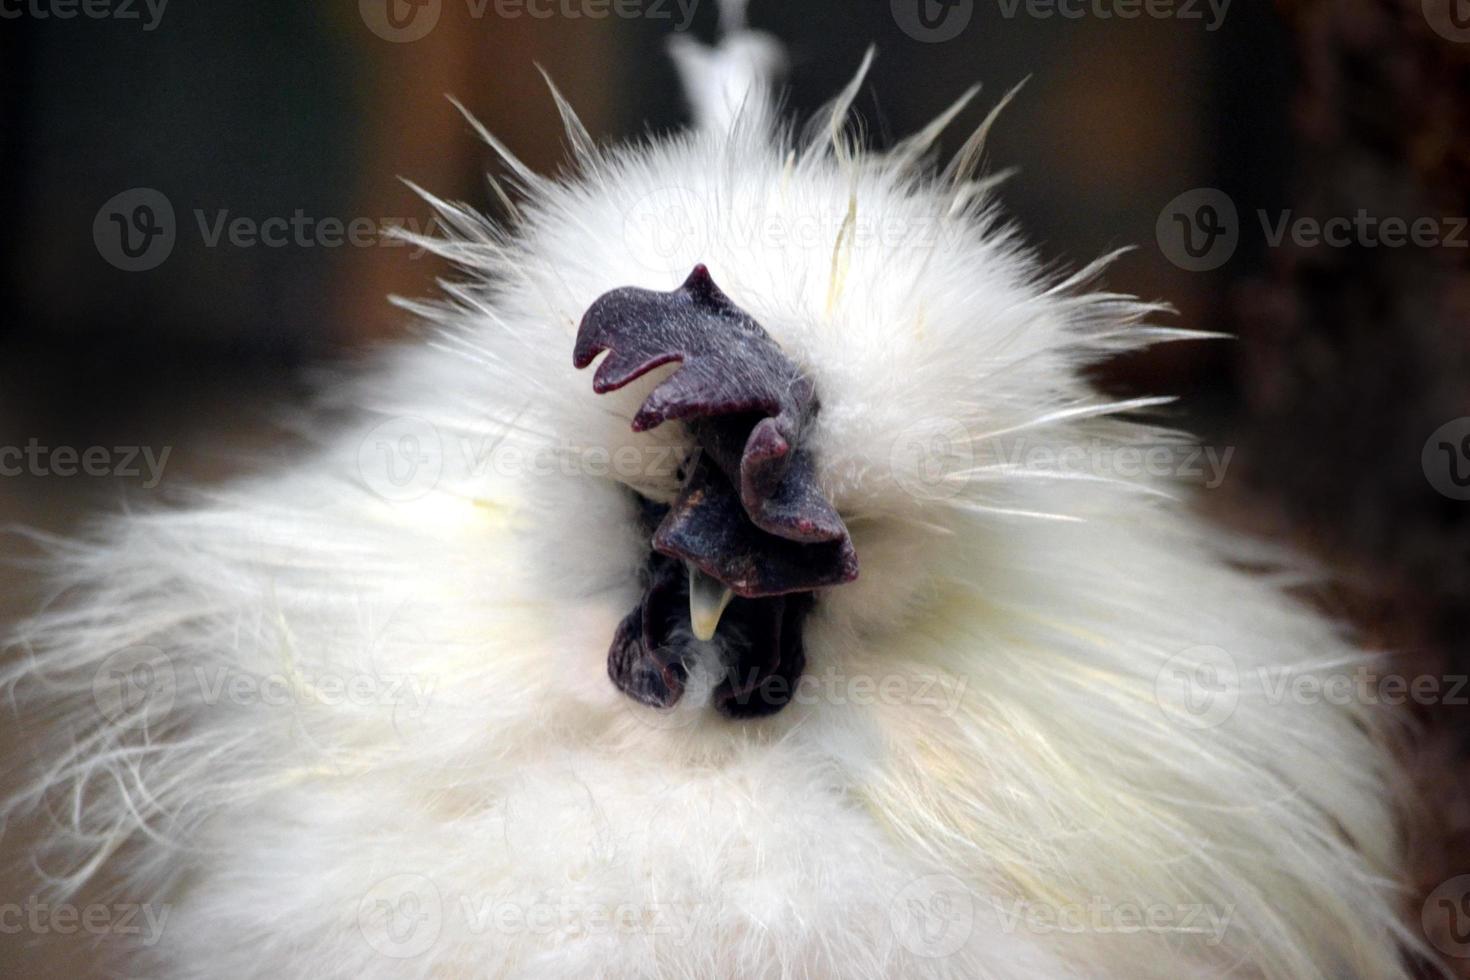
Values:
[(750, 513), (746, 403)]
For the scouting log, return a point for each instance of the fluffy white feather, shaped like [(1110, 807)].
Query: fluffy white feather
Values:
[(379, 740)]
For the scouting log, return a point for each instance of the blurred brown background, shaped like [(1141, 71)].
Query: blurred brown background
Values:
[(1349, 356)]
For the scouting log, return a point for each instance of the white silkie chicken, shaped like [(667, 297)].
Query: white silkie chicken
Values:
[(813, 634)]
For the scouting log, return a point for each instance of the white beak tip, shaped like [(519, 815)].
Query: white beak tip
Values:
[(708, 598)]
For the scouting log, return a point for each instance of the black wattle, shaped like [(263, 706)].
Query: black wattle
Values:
[(761, 638)]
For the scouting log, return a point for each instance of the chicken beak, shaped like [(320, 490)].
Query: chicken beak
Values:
[(708, 598)]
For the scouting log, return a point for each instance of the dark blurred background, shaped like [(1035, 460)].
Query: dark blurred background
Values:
[(132, 135)]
